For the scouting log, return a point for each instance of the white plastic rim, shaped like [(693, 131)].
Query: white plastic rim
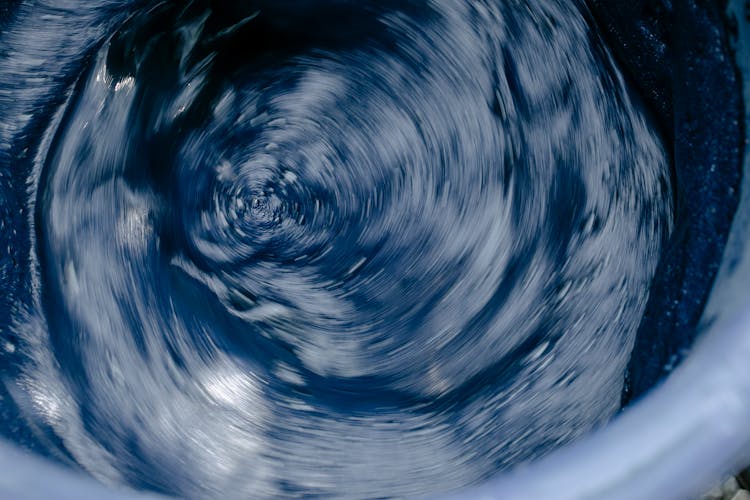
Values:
[(676, 443)]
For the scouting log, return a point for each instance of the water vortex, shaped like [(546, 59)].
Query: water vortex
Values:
[(330, 248)]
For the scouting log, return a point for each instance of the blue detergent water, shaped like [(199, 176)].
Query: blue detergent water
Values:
[(336, 249)]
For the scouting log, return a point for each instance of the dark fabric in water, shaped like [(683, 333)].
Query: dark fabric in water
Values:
[(679, 54)]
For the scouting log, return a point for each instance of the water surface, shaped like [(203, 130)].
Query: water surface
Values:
[(336, 249)]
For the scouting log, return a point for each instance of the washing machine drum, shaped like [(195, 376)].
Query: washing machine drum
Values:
[(351, 249)]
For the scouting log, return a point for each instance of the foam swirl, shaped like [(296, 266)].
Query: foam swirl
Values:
[(338, 249)]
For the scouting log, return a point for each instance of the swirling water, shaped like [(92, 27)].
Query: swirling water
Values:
[(346, 249)]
